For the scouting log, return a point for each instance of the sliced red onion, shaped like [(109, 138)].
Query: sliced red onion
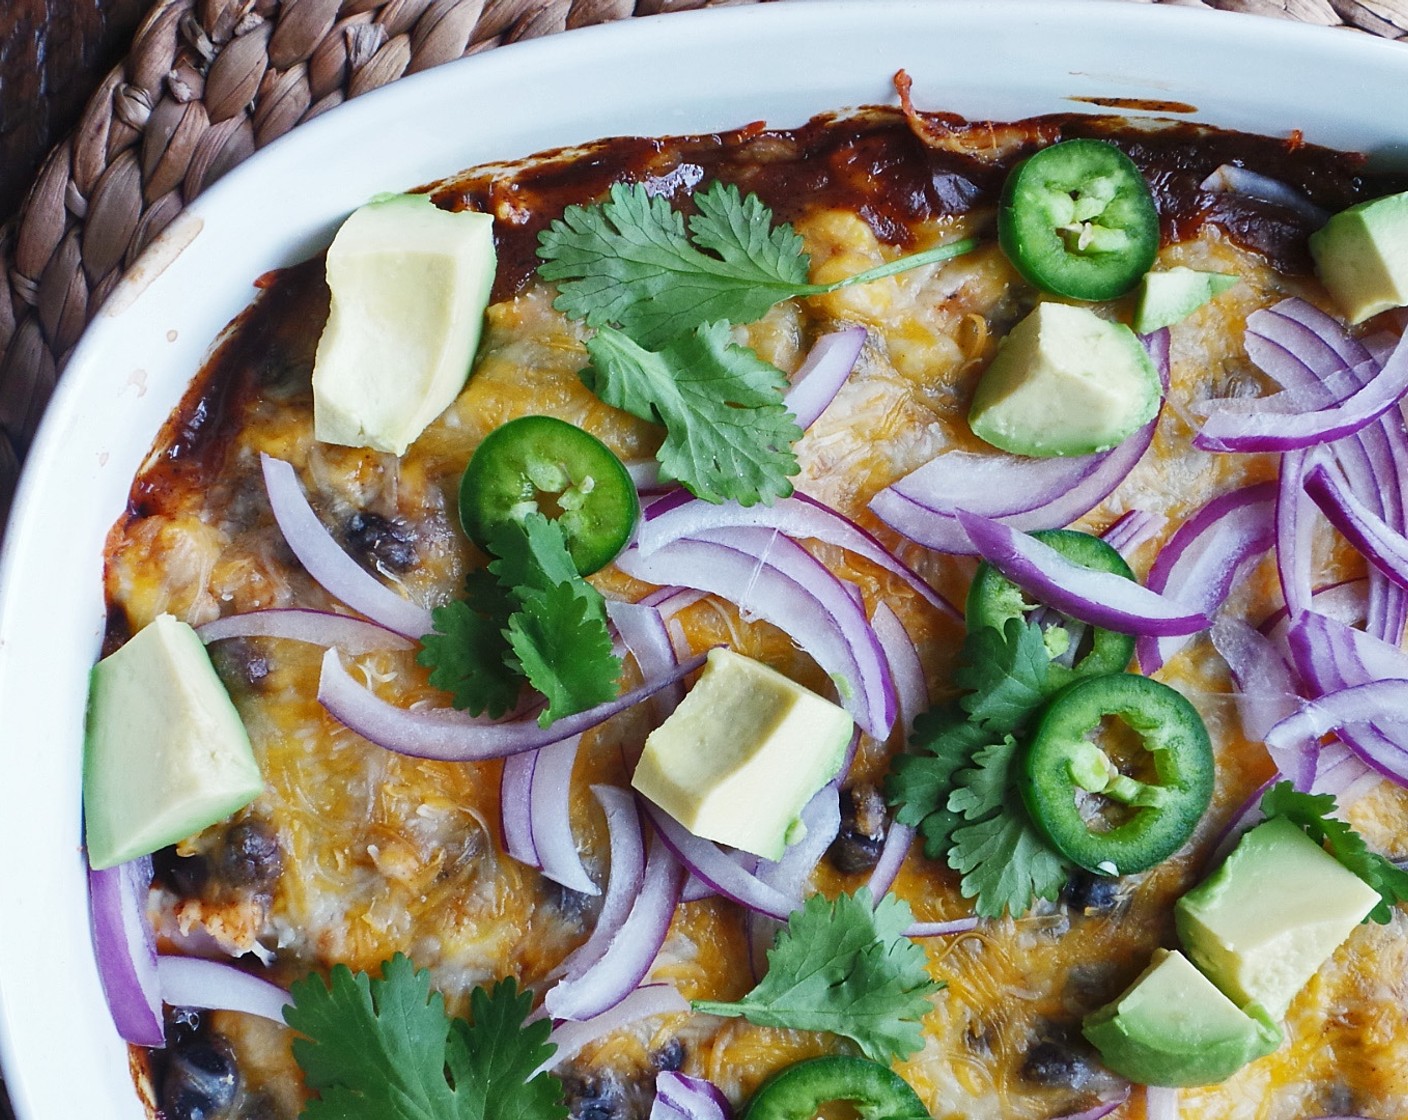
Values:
[(1201, 561), (626, 840), (320, 628), (1099, 1110), (1341, 773), (1294, 531), (550, 817), (696, 889), (645, 473), (680, 1097), (1343, 601), (338, 574), (1332, 656), (1381, 704), (125, 945), (775, 579), (1022, 493), (941, 929), (711, 865), (1284, 421), (643, 630), (1268, 690), (218, 986), (1384, 548), (628, 957), (516, 807), (452, 736), (791, 875), (1160, 1103), (898, 840), (798, 516), (822, 373), (1132, 530), (1231, 179), (645, 1002), (1099, 598)]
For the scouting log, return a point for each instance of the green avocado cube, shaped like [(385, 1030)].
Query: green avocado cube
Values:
[(741, 756), (1172, 294), (166, 754), (1361, 255), (1065, 382), (1268, 918), (1173, 1027)]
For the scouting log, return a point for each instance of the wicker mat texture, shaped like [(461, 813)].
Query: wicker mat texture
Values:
[(207, 82)]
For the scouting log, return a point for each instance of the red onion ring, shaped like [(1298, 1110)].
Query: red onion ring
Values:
[(1132, 530), (452, 736), (1203, 558), (1355, 398), (1100, 1110), (516, 808), (712, 866), (125, 945), (643, 631), (645, 1002), (629, 954), (1384, 548), (1022, 493), (791, 875), (1231, 179), (626, 840), (798, 516), (550, 816), (321, 628), (774, 578), (336, 572), (218, 986), (941, 929), (822, 373), (1099, 598), (1268, 691), (680, 1097), (1382, 704)]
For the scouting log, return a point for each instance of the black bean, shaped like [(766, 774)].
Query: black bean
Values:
[(248, 856), (201, 1082), (670, 1057), (573, 906), (1091, 894), (596, 1098), (1054, 1063), (241, 665), (186, 875), (381, 541), (863, 827)]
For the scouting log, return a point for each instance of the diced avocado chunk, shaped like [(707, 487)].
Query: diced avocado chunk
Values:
[(1173, 1027), (1270, 916), (166, 754), (743, 754), (1065, 382), (1361, 255), (1171, 295), (409, 285)]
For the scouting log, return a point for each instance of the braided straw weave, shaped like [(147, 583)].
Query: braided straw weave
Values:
[(209, 81)]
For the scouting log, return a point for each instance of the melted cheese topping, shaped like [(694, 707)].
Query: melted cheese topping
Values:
[(383, 853)]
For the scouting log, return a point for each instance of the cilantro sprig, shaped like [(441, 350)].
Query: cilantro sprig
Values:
[(1313, 813), (528, 617), (629, 261), (385, 1049), (662, 295), (728, 434), (957, 786), (846, 967)]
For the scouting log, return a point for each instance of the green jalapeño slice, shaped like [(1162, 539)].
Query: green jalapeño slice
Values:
[(1078, 220), (873, 1091), (545, 465), (1093, 812), (1077, 650)]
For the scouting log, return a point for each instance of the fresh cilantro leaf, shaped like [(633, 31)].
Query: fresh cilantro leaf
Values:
[(466, 654), (847, 968), (564, 652), (728, 435), (529, 615), (1004, 862), (627, 262), (380, 1050), (919, 784), (1313, 813), (1007, 672)]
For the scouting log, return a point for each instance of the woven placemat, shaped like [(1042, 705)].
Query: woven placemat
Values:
[(208, 82)]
